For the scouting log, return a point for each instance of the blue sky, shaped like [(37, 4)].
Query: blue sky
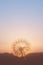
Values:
[(21, 19)]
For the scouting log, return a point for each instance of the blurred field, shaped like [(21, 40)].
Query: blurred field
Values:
[(31, 59)]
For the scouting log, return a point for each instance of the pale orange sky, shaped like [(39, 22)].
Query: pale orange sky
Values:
[(21, 19)]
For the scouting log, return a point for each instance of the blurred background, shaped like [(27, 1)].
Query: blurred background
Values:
[(21, 19)]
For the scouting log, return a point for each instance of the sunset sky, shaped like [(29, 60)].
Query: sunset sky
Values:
[(21, 19)]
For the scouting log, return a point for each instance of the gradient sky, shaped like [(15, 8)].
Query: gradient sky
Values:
[(21, 19)]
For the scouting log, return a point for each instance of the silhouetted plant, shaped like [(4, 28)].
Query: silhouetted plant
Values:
[(21, 48)]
